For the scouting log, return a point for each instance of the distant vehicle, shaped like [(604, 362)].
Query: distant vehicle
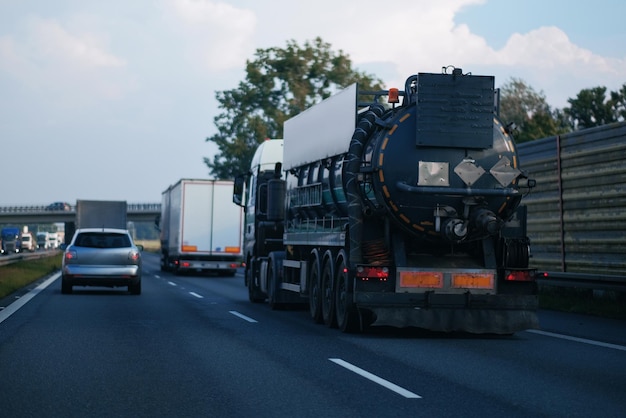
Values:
[(52, 240), (42, 238), (200, 227), (28, 241), (102, 257), (59, 206), (11, 241), (101, 214)]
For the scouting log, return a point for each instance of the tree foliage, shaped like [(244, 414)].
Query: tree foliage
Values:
[(535, 119), (591, 108), (521, 105), (279, 83)]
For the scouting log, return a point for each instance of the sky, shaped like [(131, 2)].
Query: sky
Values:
[(114, 100)]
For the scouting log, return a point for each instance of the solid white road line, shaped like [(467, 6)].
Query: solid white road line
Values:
[(242, 316), (12, 308), (579, 340), (375, 379)]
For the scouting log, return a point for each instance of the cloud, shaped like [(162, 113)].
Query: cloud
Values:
[(51, 58), (221, 34), (417, 36)]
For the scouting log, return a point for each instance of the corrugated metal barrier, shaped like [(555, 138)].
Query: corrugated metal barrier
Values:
[(577, 211)]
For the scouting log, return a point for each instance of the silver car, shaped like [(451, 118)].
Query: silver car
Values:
[(102, 257)]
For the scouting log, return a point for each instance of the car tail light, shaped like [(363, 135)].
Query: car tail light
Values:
[(133, 255), (70, 255)]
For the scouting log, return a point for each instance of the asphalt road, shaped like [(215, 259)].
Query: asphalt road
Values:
[(192, 346)]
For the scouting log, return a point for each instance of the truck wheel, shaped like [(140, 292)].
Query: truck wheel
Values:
[(315, 291), (253, 293), (164, 262), (345, 311), (328, 293), (273, 291)]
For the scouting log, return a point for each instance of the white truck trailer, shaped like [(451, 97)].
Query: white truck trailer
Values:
[(200, 227)]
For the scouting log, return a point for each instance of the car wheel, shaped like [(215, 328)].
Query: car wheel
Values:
[(66, 288), (135, 289)]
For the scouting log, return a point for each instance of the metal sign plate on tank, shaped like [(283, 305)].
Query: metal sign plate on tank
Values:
[(504, 172), (468, 171), (433, 174)]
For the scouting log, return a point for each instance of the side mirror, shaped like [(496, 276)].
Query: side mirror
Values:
[(238, 190)]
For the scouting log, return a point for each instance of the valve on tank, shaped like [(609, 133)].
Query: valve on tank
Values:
[(485, 221), (449, 224), (455, 229)]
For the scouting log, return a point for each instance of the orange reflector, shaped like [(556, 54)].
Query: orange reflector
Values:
[(189, 248), (232, 249), (472, 280), (421, 279), (393, 95)]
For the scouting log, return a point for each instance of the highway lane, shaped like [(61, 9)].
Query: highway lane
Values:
[(195, 346)]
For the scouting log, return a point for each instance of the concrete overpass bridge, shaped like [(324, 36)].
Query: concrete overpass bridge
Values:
[(137, 212), (41, 214)]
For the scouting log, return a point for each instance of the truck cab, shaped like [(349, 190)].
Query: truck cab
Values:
[(263, 223), (28, 242), (11, 241)]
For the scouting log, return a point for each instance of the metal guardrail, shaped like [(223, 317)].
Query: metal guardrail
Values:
[(577, 212), (580, 280), (14, 258), (19, 209)]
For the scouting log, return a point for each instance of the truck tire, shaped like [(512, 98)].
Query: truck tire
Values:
[(273, 283), (164, 262), (328, 291), (346, 313), (315, 290), (254, 295)]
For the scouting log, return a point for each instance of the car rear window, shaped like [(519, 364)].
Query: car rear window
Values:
[(102, 240)]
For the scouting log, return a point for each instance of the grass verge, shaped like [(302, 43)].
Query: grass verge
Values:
[(606, 304), (15, 276)]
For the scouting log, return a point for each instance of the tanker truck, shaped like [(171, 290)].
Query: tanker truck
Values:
[(395, 208)]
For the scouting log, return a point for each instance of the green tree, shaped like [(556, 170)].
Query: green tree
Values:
[(279, 84), (618, 103), (521, 105), (590, 108)]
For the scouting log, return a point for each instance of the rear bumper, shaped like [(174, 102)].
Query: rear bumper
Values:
[(101, 276)]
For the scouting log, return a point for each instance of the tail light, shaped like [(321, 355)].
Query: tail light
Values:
[(70, 255), (134, 255), (519, 275), (372, 272)]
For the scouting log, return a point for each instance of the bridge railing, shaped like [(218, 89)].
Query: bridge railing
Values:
[(20, 209)]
